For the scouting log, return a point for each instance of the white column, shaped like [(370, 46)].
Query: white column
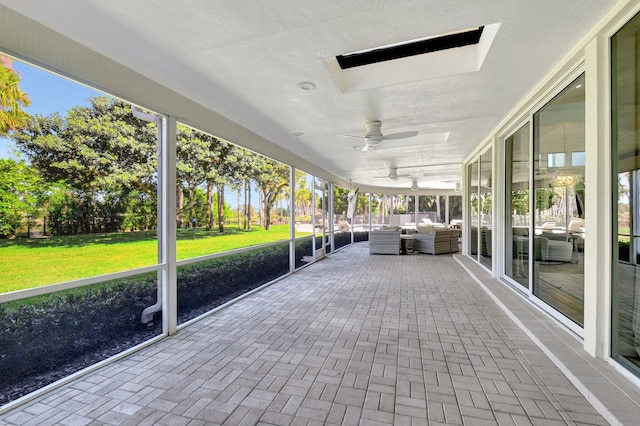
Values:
[(370, 226), (597, 245), (167, 168), (292, 220), (447, 219), (466, 217), (332, 241)]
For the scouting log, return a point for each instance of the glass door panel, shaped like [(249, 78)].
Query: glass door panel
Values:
[(517, 212), (625, 73), (485, 202), (474, 209), (559, 133), (321, 230)]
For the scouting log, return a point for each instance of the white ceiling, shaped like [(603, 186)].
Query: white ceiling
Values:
[(245, 59)]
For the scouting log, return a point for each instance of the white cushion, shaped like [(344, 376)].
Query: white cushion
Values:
[(423, 228)]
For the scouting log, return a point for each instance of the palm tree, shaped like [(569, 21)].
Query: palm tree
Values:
[(12, 99)]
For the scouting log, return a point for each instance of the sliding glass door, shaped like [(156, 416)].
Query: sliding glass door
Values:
[(559, 220), (486, 208), (625, 73), (517, 202), (474, 209), (480, 209)]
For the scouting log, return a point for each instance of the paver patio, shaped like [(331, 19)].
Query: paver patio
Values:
[(353, 339)]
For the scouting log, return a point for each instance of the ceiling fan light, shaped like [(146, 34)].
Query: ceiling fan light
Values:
[(564, 179)]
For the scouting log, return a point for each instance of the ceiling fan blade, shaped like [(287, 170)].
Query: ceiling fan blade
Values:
[(352, 136), (401, 135)]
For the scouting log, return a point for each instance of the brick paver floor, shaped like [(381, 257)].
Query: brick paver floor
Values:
[(353, 339)]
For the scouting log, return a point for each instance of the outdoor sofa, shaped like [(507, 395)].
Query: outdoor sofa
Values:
[(384, 241), (436, 240)]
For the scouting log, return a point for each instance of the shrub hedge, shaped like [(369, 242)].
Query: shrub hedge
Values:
[(341, 239), (303, 248), (360, 236), (43, 336), (211, 283)]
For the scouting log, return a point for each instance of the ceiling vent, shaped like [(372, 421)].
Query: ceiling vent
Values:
[(416, 60), (410, 48)]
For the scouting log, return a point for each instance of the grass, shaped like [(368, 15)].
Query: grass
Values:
[(33, 262)]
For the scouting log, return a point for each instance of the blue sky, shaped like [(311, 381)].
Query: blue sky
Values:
[(48, 93)]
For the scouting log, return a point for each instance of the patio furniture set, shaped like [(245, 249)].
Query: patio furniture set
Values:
[(426, 239)]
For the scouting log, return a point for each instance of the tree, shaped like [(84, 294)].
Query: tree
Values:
[(271, 177), (96, 151), (203, 160), (520, 201), (140, 213), (22, 193), (244, 165), (362, 207), (302, 193), (12, 98), (219, 175), (191, 151), (340, 201)]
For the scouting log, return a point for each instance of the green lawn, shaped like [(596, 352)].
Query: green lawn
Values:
[(33, 262)]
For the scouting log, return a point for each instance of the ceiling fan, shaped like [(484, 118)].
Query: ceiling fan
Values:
[(393, 174), (374, 135)]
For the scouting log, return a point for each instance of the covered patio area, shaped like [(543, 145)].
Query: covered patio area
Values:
[(352, 339)]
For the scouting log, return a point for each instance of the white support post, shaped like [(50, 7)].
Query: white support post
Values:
[(370, 224), (447, 219), (166, 221), (466, 226), (329, 209), (292, 220), (167, 231), (598, 199)]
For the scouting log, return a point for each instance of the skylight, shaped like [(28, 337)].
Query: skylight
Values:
[(410, 48), (430, 57)]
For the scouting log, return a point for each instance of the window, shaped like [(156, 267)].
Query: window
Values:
[(625, 69)]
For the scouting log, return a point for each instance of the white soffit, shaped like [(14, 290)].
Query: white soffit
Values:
[(426, 66)]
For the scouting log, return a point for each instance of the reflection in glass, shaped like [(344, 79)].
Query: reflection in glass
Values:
[(625, 74), (485, 202), (517, 206), (559, 130)]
